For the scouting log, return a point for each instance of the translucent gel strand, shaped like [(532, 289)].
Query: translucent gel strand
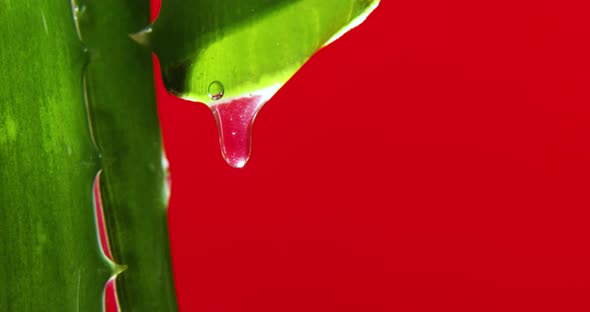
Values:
[(235, 119)]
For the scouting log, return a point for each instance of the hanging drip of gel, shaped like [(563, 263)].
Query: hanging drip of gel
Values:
[(236, 61), (235, 118)]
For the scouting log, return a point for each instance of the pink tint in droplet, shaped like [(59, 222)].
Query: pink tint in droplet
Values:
[(234, 120)]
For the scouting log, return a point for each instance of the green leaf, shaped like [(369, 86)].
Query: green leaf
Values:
[(50, 260), (121, 97), (247, 45), (76, 97)]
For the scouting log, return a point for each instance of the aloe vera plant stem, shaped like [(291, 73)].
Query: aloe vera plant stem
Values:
[(77, 96), (125, 122), (77, 99), (49, 257)]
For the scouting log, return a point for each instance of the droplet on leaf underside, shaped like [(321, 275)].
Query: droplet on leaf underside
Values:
[(242, 58), (235, 119), (216, 91)]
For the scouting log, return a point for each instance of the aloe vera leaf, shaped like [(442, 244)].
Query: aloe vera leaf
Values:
[(121, 97), (248, 45), (49, 255), (56, 67)]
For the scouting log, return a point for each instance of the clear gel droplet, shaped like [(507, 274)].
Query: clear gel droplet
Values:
[(216, 90), (235, 119)]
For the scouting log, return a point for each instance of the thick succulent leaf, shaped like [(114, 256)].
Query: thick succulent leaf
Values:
[(50, 259), (65, 64), (121, 96), (247, 45)]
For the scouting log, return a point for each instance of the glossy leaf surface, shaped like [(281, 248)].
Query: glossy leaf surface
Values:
[(77, 98), (49, 259), (247, 45)]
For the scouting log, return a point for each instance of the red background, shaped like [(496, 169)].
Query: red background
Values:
[(434, 159)]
